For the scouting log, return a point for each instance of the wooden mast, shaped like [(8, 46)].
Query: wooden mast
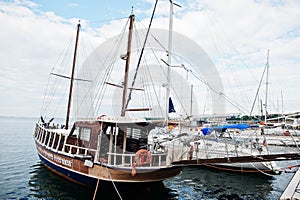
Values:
[(127, 66), (72, 77)]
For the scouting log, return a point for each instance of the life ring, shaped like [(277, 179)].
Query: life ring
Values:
[(139, 157)]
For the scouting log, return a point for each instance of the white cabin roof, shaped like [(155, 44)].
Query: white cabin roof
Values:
[(113, 119)]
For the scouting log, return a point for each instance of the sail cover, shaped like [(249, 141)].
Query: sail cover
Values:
[(223, 128), (171, 106)]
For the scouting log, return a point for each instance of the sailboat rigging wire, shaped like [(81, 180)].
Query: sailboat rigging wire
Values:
[(101, 91), (257, 91), (52, 93), (231, 101), (153, 36), (206, 100), (140, 58), (108, 20), (222, 49)]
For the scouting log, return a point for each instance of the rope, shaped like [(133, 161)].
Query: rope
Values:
[(97, 183), (261, 171), (289, 167), (113, 184), (96, 189), (140, 58)]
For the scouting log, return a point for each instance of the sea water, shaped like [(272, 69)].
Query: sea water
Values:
[(23, 176)]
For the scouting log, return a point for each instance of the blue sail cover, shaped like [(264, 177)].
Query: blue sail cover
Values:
[(171, 106), (223, 128)]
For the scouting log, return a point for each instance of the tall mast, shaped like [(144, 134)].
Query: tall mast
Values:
[(191, 108), (72, 77), (169, 59), (267, 86), (127, 66)]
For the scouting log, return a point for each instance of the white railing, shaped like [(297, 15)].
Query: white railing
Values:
[(126, 160), (41, 133), (78, 153)]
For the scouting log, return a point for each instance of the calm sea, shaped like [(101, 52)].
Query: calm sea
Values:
[(22, 176)]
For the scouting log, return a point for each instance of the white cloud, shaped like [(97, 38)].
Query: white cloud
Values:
[(73, 4), (235, 34), (30, 43)]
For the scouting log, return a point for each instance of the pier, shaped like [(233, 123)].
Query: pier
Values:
[(292, 191)]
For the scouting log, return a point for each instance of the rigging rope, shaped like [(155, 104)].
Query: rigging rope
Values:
[(53, 90), (139, 61), (107, 72)]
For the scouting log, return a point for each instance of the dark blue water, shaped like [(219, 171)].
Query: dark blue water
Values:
[(22, 176)]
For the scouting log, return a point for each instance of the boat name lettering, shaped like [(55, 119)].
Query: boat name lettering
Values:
[(55, 158), (62, 161)]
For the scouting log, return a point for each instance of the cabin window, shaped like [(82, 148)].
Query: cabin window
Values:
[(135, 133), (85, 134)]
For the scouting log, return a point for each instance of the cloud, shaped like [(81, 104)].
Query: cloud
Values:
[(73, 4), (235, 34), (30, 42)]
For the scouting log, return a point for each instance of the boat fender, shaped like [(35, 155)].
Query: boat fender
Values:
[(133, 171), (140, 157), (88, 163)]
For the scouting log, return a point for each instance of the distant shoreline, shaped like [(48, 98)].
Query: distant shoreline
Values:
[(18, 117)]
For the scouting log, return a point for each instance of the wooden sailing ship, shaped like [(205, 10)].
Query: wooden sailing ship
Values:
[(105, 148)]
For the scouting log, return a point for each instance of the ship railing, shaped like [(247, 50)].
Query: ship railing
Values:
[(127, 160), (80, 152)]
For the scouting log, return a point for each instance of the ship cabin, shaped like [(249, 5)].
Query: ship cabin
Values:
[(112, 142)]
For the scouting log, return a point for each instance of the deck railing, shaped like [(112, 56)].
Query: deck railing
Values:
[(127, 160)]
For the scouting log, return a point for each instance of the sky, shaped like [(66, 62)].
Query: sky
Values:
[(235, 34)]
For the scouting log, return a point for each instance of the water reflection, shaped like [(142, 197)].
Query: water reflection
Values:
[(44, 184), (192, 183), (203, 183)]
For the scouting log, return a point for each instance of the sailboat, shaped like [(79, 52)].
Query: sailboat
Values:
[(105, 148)]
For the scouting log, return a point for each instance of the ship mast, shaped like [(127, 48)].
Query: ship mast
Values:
[(125, 87), (72, 77), (169, 60), (267, 86)]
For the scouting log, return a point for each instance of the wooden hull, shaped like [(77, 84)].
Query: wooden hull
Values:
[(74, 169)]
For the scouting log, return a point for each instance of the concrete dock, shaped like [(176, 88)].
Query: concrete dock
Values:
[(292, 191)]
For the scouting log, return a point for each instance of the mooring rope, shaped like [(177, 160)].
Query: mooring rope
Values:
[(97, 183), (113, 184)]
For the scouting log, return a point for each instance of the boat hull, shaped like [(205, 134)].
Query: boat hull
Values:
[(75, 170), (257, 167)]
